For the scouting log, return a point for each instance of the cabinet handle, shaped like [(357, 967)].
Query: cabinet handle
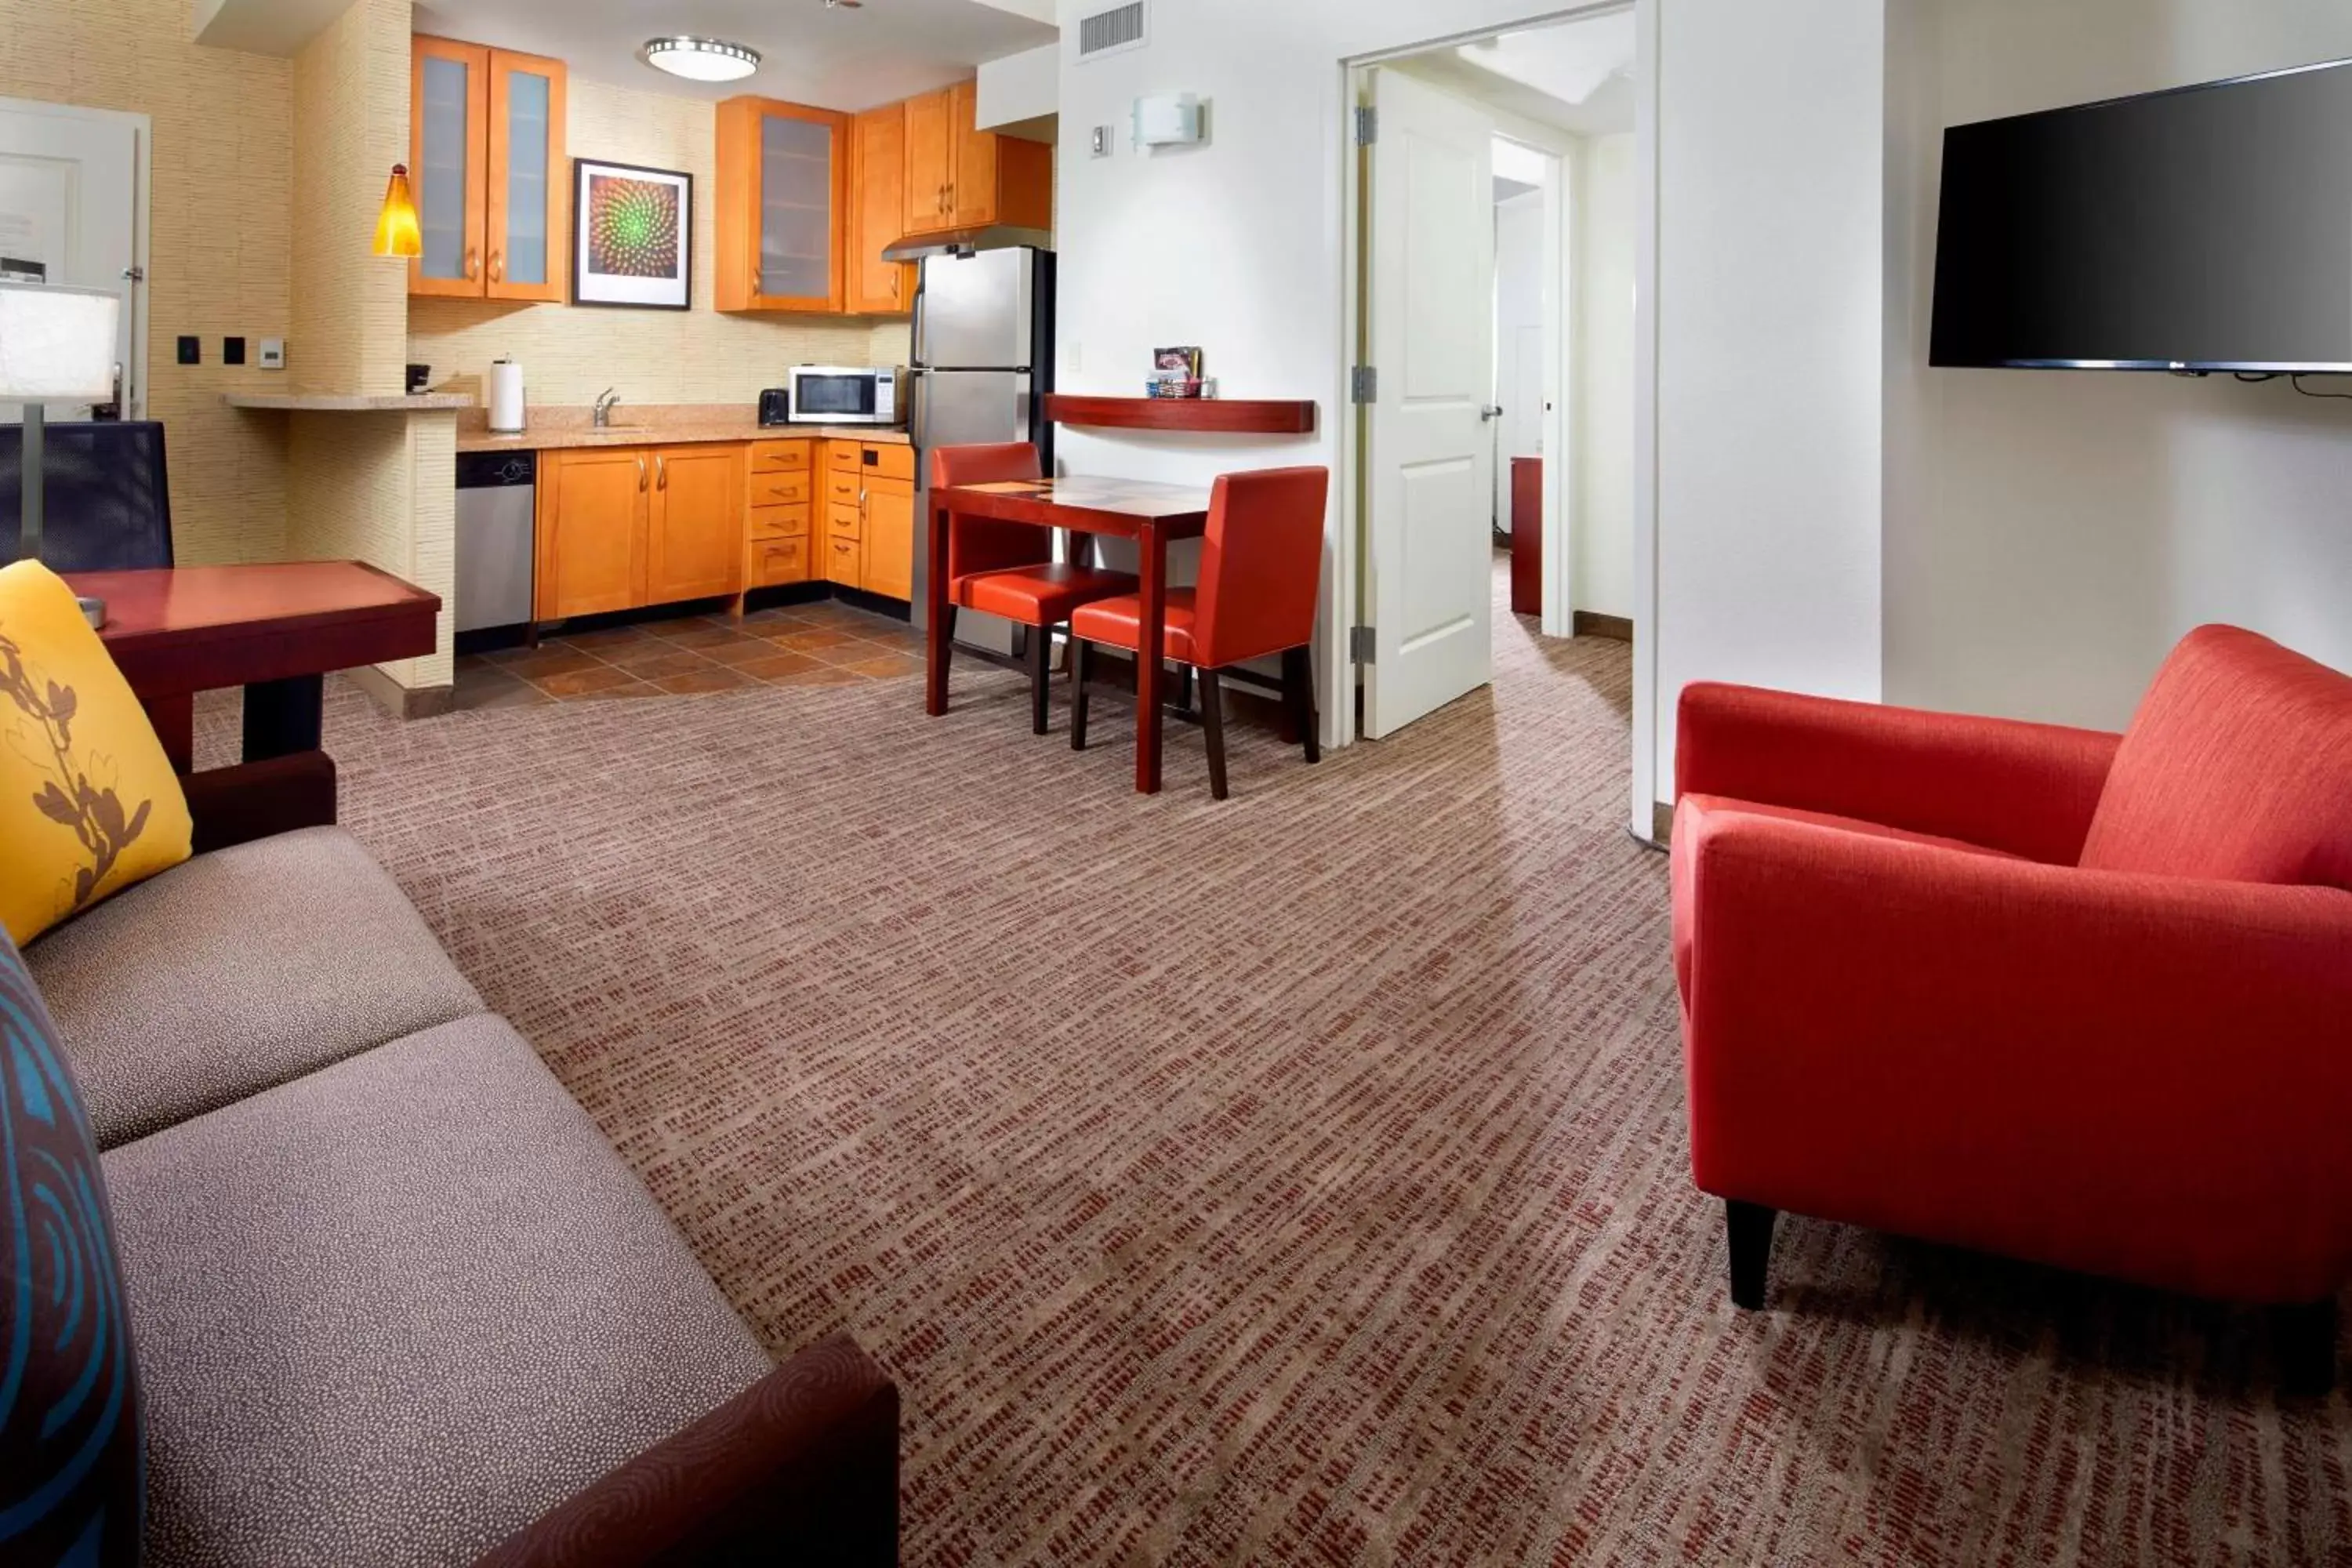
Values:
[(641, 476), (661, 473), (473, 262), (497, 267)]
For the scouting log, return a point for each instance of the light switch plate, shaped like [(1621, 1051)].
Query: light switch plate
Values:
[(1102, 142), (273, 353)]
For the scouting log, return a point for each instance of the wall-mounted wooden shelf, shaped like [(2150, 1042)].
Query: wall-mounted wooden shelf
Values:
[(1215, 416)]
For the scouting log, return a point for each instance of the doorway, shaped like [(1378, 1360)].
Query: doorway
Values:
[(1493, 226), (73, 212)]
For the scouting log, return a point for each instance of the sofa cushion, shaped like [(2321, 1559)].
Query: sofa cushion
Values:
[(395, 1311), (70, 1481), (238, 972), (2237, 768)]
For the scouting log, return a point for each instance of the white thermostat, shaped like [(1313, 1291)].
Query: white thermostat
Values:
[(1170, 122)]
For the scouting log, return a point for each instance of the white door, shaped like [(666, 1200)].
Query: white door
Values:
[(1429, 452), (70, 213), (1520, 340)]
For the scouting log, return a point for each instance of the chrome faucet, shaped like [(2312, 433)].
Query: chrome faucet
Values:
[(603, 417)]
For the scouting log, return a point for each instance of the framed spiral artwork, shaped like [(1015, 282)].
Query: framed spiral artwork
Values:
[(636, 239)]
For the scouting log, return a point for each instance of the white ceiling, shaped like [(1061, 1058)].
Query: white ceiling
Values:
[(842, 58), (1578, 76)]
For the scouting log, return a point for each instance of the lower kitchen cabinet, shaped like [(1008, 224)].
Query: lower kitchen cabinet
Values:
[(694, 525), (592, 531), (868, 489), (889, 568), (624, 527)]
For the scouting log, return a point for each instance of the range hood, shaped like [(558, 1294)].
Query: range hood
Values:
[(966, 241)]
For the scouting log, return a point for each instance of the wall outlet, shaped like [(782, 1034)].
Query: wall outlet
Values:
[(232, 350), (192, 351), (273, 353)]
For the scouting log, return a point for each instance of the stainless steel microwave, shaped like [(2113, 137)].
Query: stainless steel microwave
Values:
[(846, 395)]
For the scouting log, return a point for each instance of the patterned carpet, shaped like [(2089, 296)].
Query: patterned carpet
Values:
[(1300, 1179)]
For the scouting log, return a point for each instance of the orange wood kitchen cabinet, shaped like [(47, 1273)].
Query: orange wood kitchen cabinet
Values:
[(930, 162), (591, 531), (959, 176), (889, 564), (621, 528), (694, 524), (486, 158), (783, 200), (776, 525), (877, 210)]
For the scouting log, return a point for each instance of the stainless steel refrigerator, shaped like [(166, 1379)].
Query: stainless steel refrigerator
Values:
[(983, 362)]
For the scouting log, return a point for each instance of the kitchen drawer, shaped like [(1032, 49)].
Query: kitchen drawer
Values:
[(891, 461), (783, 488), (842, 560), (775, 561), (844, 454), (844, 485), (845, 521), (780, 457), (779, 521)]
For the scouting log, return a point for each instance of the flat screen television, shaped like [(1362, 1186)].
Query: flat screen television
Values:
[(2208, 228)]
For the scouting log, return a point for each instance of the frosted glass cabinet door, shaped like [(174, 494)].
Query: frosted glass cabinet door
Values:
[(530, 184), (450, 93), (796, 219)]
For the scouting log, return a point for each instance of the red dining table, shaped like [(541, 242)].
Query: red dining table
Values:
[(1152, 514)]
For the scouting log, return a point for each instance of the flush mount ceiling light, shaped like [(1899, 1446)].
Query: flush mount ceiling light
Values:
[(700, 59)]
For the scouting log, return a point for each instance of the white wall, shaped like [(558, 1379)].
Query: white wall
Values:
[(2068, 527), (1235, 245), (1770, 245), (1020, 88), (1772, 206), (1607, 206)]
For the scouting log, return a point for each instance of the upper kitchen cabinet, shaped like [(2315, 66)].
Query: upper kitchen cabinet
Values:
[(487, 144), (783, 196), (878, 214), (959, 176)]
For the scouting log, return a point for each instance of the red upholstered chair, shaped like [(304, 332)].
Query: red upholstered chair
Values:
[(1261, 567), (2072, 997), (1008, 568)]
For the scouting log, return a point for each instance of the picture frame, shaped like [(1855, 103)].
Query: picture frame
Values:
[(633, 236)]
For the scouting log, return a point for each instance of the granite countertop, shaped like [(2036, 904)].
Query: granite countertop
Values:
[(349, 402), (550, 428)]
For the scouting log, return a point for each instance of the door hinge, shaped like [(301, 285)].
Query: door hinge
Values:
[(1366, 384), (1363, 646), (1367, 125)]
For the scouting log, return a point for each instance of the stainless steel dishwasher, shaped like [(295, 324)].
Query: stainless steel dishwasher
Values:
[(496, 517)]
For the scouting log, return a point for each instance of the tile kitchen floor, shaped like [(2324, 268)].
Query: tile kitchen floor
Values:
[(823, 644)]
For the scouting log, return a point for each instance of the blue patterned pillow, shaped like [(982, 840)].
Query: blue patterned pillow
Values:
[(72, 1491)]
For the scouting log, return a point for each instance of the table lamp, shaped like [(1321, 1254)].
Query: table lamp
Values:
[(57, 345)]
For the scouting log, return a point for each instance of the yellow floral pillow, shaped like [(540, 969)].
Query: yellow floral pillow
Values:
[(89, 804)]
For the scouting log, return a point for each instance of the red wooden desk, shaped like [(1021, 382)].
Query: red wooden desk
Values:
[(1150, 515), (276, 630)]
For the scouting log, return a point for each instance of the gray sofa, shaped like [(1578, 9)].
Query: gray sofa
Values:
[(394, 1299)]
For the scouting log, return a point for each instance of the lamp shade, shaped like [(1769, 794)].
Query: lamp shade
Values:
[(396, 230), (57, 345)]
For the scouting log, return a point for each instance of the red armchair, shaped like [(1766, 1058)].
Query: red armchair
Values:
[(2072, 997)]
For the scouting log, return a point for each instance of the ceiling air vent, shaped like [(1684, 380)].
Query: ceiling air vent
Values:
[(1111, 32)]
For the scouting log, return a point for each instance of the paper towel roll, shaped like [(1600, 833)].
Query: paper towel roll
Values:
[(506, 396)]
